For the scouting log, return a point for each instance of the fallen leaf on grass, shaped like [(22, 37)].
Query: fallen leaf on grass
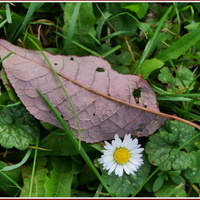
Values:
[(105, 102)]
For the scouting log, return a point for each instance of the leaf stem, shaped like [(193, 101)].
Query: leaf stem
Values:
[(110, 97), (133, 105)]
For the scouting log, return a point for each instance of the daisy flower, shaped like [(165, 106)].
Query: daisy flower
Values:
[(120, 156)]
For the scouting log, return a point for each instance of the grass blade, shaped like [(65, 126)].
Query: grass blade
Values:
[(3, 22), (11, 180), (74, 140), (111, 51), (5, 57), (34, 167), (85, 48), (152, 42), (179, 47), (32, 8), (8, 13), (25, 158), (72, 24), (101, 22)]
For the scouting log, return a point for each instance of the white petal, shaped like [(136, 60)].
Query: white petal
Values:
[(132, 166), (119, 170), (108, 153), (117, 142), (116, 137), (135, 142), (127, 169), (127, 138), (107, 143), (137, 151), (112, 168), (127, 141), (108, 159), (110, 165), (101, 161), (136, 162), (134, 155), (130, 145), (108, 146)]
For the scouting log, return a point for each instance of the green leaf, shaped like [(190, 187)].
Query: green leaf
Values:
[(174, 173), (145, 28), (6, 82), (179, 47), (60, 180), (4, 98), (193, 174), (158, 183), (192, 26), (17, 127), (79, 27), (170, 189), (177, 179), (86, 176), (127, 184), (10, 181), (12, 28), (175, 85), (122, 21), (139, 8), (149, 66), (39, 180), (59, 144), (166, 141)]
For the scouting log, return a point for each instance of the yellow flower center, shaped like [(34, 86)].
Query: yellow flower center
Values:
[(121, 155)]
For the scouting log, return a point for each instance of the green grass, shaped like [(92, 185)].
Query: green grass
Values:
[(159, 41)]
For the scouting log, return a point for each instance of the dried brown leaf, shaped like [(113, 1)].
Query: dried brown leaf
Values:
[(106, 102)]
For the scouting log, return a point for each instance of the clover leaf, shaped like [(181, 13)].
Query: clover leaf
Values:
[(193, 174), (17, 127), (182, 79), (168, 140)]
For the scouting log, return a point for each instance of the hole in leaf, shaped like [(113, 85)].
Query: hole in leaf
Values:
[(99, 69), (55, 63), (141, 125), (71, 58), (183, 150), (138, 131), (137, 94)]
